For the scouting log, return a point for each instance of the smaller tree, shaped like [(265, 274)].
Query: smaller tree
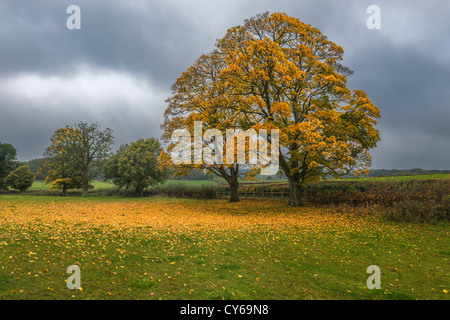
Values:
[(7, 161), (20, 179), (136, 166), (78, 152), (58, 165), (65, 184)]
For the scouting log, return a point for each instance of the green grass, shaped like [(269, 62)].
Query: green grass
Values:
[(295, 263), (42, 186)]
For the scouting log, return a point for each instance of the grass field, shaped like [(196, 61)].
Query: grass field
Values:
[(158, 248), (40, 185)]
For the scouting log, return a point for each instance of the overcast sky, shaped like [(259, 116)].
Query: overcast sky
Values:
[(118, 69)]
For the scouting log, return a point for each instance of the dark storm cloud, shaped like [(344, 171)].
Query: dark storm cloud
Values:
[(151, 41), (118, 69), (410, 87)]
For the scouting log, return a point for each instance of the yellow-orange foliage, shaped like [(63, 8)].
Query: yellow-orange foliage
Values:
[(276, 71)]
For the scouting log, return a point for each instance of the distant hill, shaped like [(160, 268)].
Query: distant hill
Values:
[(399, 172)]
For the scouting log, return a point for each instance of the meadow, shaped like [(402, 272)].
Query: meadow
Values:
[(167, 248), (41, 185)]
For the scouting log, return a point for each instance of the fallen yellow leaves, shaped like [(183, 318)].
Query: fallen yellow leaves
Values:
[(154, 215)]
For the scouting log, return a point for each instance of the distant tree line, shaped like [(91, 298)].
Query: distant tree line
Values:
[(403, 172), (193, 175), (399, 172)]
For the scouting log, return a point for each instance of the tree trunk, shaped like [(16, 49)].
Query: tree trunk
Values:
[(85, 190), (64, 191), (139, 191), (295, 190), (234, 194), (296, 194)]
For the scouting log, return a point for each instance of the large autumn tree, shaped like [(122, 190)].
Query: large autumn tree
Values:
[(277, 72), (76, 155), (293, 78)]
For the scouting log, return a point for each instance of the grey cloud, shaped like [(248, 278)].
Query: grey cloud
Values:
[(31, 134), (153, 43)]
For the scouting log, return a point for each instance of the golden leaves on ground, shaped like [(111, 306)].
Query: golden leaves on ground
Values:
[(160, 214), (161, 248)]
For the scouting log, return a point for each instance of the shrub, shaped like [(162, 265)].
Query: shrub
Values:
[(362, 193), (20, 179), (414, 210)]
